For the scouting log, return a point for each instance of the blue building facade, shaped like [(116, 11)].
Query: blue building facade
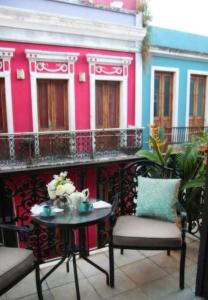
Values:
[(175, 85)]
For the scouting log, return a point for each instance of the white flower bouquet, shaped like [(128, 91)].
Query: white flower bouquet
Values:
[(60, 187)]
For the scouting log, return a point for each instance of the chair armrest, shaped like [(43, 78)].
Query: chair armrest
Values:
[(183, 215), (114, 211), (23, 229)]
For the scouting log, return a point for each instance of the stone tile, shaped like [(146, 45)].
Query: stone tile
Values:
[(192, 251), (129, 256), (160, 288), (190, 276), (60, 276), (46, 296), (148, 253), (135, 294), (122, 284), (88, 270), (68, 291), (143, 271), (185, 294), (170, 263), (25, 287)]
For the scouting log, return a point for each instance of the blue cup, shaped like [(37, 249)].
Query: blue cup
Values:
[(85, 206), (47, 210)]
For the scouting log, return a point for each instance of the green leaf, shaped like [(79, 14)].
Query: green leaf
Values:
[(157, 150), (148, 154), (195, 183)]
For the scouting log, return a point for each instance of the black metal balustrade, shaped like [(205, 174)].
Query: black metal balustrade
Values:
[(49, 147)]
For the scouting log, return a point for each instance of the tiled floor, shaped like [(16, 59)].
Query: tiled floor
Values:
[(140, 275)]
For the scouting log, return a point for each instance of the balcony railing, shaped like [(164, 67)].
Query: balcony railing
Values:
[(180, 135), (50, 147)]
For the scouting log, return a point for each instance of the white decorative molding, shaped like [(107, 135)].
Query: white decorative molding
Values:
[(115, 70), (138, 90), (40, 27), (5, 72), (116, 61), (196, 72), (67, 61), (175, 72), (40, 55), (108, 59), (157, 51), (42, 66)]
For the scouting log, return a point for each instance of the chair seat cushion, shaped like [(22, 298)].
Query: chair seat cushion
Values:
[(138, 232), (14, 262)]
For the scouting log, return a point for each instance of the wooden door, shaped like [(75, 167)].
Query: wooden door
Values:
[(52, 114), (52, 105), (4, 146), (197, 101), (3, 119), (163, 99), (107, 113)]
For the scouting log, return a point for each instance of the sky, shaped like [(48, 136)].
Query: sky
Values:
[(184, 15)]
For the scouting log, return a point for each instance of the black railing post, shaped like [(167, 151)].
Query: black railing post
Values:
[(202, 271)]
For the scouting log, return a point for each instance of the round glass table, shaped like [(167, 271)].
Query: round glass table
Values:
[(68, 221)]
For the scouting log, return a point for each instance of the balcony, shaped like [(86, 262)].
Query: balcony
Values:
[(143, 275), (43, 149)]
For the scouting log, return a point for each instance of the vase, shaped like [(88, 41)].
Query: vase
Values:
[(61, 202)]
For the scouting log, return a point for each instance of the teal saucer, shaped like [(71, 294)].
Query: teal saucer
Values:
[(43, 215)]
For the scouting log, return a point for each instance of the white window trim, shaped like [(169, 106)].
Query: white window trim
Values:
[(5, 55), (196, 72), (70, 58), (94, 59), (175, 92), (138, 90)]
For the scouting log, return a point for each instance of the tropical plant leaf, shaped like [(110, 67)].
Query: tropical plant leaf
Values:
[(157, 150), (195, 183), (168, 153), (149, 155)]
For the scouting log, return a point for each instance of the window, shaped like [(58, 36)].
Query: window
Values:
[(52, 104), (163, 98), (197, 100)]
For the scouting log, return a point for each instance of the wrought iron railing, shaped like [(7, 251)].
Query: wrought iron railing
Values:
[(32, 148), (180, 135)]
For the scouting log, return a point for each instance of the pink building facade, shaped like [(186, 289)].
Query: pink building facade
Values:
[(70, 79)]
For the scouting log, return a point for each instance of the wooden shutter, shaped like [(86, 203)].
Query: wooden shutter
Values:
[(163, 99), (107, 104), (52, 104), (197, 101)]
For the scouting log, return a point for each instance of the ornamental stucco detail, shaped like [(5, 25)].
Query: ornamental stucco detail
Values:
[(60, 67), (109, 71), (51, 62)]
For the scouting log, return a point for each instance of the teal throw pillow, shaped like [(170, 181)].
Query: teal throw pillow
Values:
[(156, 198)]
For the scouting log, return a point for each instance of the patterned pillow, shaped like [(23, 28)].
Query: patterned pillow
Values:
[(157, 198)]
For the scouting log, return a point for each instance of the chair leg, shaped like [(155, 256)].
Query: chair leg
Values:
[(168, 252), (182, 265), (122, 251), (38, 282), (111, 265)]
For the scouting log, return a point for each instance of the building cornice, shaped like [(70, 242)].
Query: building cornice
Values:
[(178, 53), (107, 59), (28, 26), (6, 52), (51, 56)]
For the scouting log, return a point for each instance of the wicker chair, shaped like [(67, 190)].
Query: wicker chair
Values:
[(16, 263), (131, 232)]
